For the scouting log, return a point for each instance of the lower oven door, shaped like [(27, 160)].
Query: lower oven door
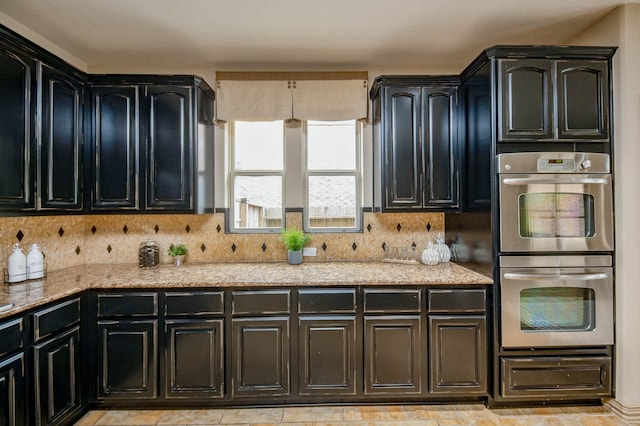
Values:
[(556, 307)]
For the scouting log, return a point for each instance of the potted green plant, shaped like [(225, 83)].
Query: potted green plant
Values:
[(178, 253), (294, 240)]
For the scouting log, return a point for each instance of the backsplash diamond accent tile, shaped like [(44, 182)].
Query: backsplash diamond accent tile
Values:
[(78, 250), (109, 248), (93, 229), (354, 246), (218, 228), (324, 246), (369, 227), (19, 235), (233, 247), (264, 247), (399, 227), (428, 227), (187, 228), (125, 229), (384, 246), (414, 245), (157, 228), (61, 231), (203, 247)]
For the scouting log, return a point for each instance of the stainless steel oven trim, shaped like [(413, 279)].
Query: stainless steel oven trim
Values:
[(514, 280), (565, 261)]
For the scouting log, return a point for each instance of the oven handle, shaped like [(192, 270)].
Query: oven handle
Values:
[(557, 181), (559, 277)]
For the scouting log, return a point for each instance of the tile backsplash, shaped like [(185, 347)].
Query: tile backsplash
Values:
[(74, 240)]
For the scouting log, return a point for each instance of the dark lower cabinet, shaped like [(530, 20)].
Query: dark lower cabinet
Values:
[(260, 357), (12, 391), (392, 354), (194, 358), (458, 355), (327, 355), (57, 378), (128, 351)]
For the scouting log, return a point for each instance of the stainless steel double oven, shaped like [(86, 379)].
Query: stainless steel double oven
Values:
[(556, 244)]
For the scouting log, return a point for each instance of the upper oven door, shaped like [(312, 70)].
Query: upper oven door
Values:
[(556, 212)]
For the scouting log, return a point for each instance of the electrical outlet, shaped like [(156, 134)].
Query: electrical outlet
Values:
[(309, 251)]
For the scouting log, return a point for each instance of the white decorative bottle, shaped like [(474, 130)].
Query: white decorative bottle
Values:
[(17, 265), (35, 263)]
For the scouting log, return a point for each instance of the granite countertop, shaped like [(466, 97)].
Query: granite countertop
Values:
[(66, 282)]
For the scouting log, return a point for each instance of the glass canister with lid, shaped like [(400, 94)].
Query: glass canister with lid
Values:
[(148, 254)]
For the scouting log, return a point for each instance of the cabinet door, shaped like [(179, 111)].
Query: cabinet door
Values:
[(12, 391), (60, 144), (128, 359), (525, 100), (169, 139), (194, 358), (260, 361), (458, 355), (57, 377), (115, 162), (402, 149), (327, 355), (583, 100), (392, 355), (17, 99), (440, 144)]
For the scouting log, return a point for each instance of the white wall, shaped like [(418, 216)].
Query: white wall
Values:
[(622, 28)]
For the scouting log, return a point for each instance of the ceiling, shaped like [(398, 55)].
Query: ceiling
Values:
[(299, 34)]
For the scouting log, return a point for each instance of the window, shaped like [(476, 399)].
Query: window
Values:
[(332, 175), (256, 178)]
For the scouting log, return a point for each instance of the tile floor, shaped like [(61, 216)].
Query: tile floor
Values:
[(373, 415)]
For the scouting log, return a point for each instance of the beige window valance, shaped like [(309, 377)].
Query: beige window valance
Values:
[(285, 96)]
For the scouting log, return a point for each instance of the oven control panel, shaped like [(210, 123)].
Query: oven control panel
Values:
[(556, 165), (554, 162)]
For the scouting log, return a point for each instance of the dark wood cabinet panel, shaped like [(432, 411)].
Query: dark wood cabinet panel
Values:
[(525, 90), (60, 141), (57, 378), (18, 97), (12, 391), (194, 358), (392, 355), (458, 355), (583, 99), (416, 158), (115, 159), (169, 140), (327, 355), (128, 351), (261, 357)]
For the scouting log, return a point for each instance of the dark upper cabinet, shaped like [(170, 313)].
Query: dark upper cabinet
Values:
[(416, 157), (115, 155), (17, 127), (148, 134), (60, 140), (169, 143), (553, 100)]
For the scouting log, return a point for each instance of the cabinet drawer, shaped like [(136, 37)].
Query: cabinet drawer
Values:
[(56, 318), (457, 301), (11, 336), (327, 300), (261, 302), (392, 300), (556, 377), (194, 303), (127, 304)]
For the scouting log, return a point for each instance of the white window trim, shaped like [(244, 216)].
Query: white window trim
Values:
[(357, 172), (233, 173)]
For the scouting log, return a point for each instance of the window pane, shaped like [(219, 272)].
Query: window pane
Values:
[(257, 202), (259, 145), (331, 145), (332, 201)]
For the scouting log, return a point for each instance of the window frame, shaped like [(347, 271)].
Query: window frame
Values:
[(233, 173), (356, 173)]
